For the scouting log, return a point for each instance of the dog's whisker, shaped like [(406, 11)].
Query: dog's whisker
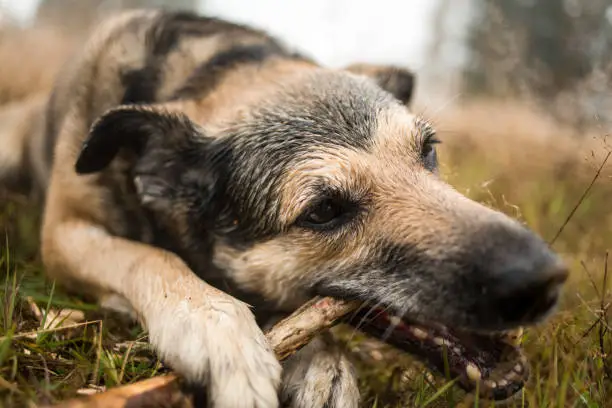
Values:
[(364, 319), (395, 321)]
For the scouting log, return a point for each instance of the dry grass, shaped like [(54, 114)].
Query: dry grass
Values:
[(504, 154)]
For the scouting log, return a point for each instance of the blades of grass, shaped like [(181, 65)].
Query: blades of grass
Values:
[(10, 300), (447, 374), (124, 362), (421, 388), (158, 365), (439, 393), (98, 339), (43, 323), (108, 366), (562, 395), (603, 323), (538, 394), (37, 297), (10, 288), (33, 333), (590, 276), (14, 366), (8, 255), (7, 385), (5, 347)]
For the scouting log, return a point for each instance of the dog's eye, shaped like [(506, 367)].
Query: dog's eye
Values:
[(326, 214), (428, 153)]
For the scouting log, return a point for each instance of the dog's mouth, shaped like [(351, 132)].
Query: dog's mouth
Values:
[(491, 364)]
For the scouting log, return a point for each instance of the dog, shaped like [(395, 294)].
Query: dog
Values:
[(205, 178)]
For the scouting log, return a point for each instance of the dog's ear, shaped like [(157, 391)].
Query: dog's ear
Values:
[(133, 129), (396, 80), (169, 153)]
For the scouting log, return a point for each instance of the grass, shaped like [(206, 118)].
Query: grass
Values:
[(46, 357), (562, 190), (505, 154)]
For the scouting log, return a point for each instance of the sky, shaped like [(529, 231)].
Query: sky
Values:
[(340, 32), (20, 9)]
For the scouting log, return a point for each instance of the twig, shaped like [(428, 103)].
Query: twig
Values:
[(286, 337), (588, 273), (33, 334), (314, 317), (603, 326), (582, 197)]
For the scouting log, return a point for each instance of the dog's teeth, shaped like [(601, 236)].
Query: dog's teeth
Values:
[(440, 341), (511, 376), (490, 384), (457, 350), (502, 383), (418, 333), (518, 368), (473, 372), (394, 320)]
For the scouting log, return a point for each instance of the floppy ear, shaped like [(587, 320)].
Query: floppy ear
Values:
[(169, 149), (396, 80), (130, 128)]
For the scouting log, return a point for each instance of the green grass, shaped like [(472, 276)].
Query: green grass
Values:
[(570, 355), (43, 366)]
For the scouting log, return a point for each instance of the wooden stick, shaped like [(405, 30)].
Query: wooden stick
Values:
[(315, 316), (286, 337)]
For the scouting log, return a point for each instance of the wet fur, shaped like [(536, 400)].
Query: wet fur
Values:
[(183, 155)]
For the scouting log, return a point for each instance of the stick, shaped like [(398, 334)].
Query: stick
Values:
[(315, 316), (286, 337)]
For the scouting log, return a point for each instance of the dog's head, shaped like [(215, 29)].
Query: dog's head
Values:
[(330, 187)]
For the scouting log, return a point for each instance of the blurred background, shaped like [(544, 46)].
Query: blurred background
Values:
[(520, 94), (556, 52)]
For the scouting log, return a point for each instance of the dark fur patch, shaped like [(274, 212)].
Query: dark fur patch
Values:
[(50, 129), (129, 128), (163, 37), (281, 139), (209, 74)]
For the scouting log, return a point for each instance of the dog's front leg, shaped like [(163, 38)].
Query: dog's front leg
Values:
[(319, 375), (206, 335)]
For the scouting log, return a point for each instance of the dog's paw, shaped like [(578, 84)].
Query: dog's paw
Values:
[(218, 345), (317, 376)]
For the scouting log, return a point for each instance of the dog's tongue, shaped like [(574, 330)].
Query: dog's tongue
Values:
[(493, 365)]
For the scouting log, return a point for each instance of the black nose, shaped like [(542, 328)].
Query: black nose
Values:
[(524, 277), (527, 296)]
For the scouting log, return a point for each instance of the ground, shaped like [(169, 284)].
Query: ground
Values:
[(505, 154)]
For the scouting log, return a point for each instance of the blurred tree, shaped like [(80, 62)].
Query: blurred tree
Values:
[(539, 48), (78, 14)]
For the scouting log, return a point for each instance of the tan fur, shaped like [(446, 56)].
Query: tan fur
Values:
[(308, 377), (21, 138), (207, 335), (245, 88), (403, 195), (179, 310)]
